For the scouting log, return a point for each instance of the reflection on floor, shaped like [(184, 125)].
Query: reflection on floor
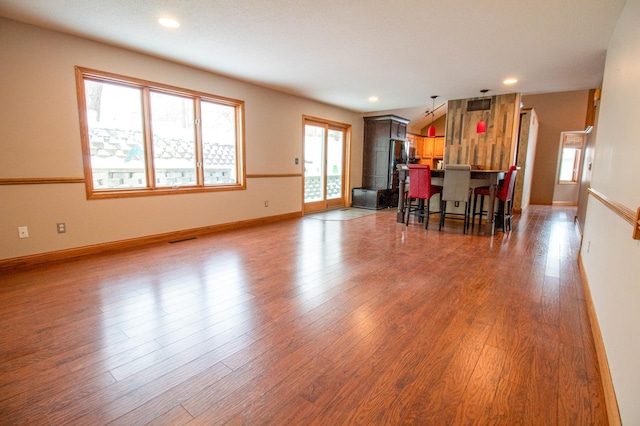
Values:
[(308, 322)]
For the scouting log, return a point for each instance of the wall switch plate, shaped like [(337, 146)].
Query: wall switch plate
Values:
[(62, 227), (23, 232)]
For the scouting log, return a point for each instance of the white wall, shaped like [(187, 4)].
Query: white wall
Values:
[(40, 138), (611, 257)]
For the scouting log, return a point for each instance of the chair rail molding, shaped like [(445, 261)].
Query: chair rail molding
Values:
[(621, 210), (40, 181)]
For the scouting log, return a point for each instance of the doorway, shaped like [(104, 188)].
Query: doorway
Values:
[(569, 169), (325, 160)]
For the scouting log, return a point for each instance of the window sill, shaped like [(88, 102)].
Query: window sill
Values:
[(144, 192)]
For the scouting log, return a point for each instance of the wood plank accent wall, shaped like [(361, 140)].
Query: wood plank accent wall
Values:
[(495, 149)]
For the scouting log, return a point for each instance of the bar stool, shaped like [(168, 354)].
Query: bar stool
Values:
[(421, 190), (457, 181), (504, 195), (481, 191)]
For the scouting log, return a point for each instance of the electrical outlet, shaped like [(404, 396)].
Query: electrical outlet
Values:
[(297, 161), (62, 228), (23, 232), (266, 203), (457, 204)]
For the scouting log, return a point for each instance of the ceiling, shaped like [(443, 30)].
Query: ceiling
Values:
[(342, 52)]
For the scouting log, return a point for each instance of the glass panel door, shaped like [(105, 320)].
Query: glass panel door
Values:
[(314, 137), (335, 144), (324, 163)]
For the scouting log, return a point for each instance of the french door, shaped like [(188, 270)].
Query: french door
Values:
[(325, 152)]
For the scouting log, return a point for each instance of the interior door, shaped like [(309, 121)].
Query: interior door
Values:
[(324, 164)]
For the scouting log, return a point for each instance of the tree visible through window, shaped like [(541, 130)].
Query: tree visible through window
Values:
[(142, 138)]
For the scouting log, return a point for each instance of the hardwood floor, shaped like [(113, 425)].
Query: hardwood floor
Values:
[(308, 321)]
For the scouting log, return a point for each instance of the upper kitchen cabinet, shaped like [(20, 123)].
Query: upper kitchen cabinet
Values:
[(494, 149), (432, 151), (416, 146), (438, 147), (427, 149)]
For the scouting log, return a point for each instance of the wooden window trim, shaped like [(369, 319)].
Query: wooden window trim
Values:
[(577, 166), (146, 87)]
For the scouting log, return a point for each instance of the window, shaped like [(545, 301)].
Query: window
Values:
[(143, 138), (570, 157)]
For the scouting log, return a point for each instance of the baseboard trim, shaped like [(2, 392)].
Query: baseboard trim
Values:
[(610, 401), (36, 259)]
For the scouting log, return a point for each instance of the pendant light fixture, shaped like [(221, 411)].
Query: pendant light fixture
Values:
[(481, 127), (431, 132)]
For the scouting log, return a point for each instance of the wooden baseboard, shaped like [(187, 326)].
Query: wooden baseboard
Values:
[(611, 403), (31, 260)]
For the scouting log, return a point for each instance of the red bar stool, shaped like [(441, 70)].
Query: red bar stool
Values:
[(480, 191), (504, 195), (421, 190)]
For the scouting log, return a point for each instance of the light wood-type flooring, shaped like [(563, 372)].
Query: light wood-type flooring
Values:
[(308, 322)]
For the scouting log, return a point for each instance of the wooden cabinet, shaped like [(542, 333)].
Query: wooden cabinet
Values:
[(398, 128), (427, 148), (379, 131), (438, 147), (415, 142), (432, 151), (374, 199), (411, 138)]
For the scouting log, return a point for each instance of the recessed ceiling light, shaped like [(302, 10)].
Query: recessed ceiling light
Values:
[(169, 23), (510, 81), (373, 99)]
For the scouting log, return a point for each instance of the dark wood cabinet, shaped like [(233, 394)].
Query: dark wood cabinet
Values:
[(399, 128), (378, 159), (385, 145), (374, 199)]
